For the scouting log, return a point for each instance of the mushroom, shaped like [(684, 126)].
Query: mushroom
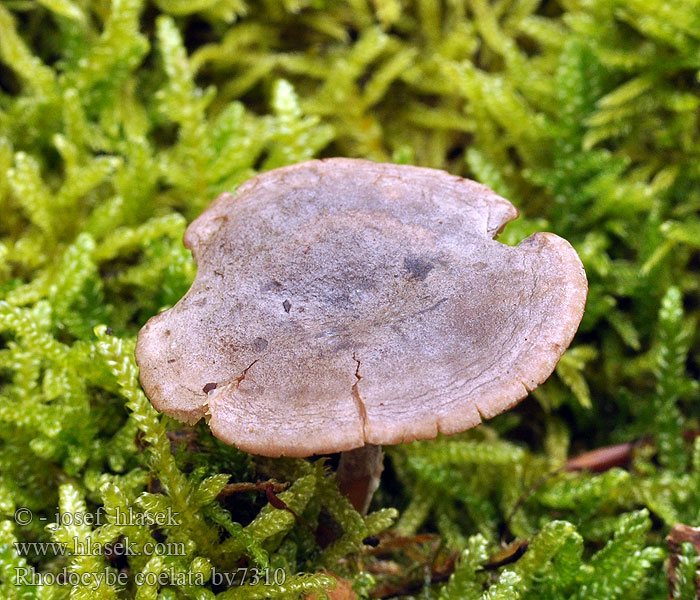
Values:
[(342, 304)]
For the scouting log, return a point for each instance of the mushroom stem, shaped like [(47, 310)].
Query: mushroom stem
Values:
[(358, 475)]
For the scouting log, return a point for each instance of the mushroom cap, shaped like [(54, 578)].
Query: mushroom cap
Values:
[(342, 302)]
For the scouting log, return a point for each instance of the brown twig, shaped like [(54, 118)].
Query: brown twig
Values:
[(282, 505), (507, 555), (259, 486), (680, 534), (388, 544), (607, 457)]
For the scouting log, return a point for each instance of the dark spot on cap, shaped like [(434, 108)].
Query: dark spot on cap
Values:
[(209, 387), (417, 267), (109, 331), (272, 286), (286, 305), (344, 345), (260, 344)]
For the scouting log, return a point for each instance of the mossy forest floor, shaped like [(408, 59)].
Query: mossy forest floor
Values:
[(121, 119)]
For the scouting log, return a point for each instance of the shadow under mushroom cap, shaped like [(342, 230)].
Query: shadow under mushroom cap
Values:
[(342, 302)]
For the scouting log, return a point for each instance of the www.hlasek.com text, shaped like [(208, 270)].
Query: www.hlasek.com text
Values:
[(90, 547)]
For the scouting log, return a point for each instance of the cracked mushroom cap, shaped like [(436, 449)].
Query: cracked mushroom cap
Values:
[(342, 302)]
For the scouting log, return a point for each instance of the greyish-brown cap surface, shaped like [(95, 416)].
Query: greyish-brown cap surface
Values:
[(343, 302)]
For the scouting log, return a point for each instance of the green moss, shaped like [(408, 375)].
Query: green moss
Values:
[(121, 119)]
